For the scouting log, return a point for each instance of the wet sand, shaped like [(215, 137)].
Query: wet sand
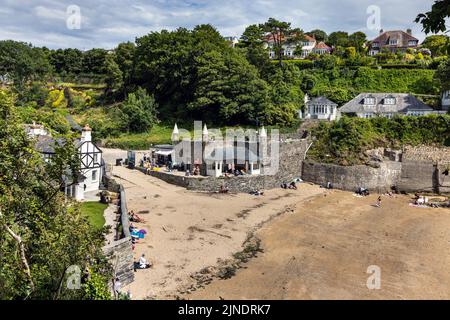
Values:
[(324, 249)]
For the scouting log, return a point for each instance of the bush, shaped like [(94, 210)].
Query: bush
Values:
[(345, 141)]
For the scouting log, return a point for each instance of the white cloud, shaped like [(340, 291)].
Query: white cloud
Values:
[(107, 23)]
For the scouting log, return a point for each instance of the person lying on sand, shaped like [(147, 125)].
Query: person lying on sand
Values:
[(135, 218)]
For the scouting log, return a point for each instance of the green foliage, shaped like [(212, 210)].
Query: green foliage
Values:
[(20, 62), (96, 287), (141, 141), (32, 207), (434, 20), (139, 111), (438, 44), (345, 141), (443, 74)]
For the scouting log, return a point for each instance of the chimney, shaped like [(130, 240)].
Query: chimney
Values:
[(409, 31), (205, 133), (86, 134), (381, 31), (175, 133)]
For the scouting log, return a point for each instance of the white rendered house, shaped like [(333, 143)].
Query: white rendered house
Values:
[(320, 108), (91, 161)]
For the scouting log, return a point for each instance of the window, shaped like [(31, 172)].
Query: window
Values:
[(369, 100), (412, 42), (389, 100), (95, 158), (375, 44), (94, 175), (393, 42), (367, 115)]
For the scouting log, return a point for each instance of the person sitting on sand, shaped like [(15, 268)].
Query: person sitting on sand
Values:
[(223, 189), (378, 204), (143, 264), (293, 186)]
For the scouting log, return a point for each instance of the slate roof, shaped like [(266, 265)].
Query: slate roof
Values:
[(403, 102), (321, 100), (47, 144), (402, 38)]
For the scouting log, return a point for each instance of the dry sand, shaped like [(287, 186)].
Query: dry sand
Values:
[(188, 231)]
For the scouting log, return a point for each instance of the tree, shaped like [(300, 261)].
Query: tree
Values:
[(94, 61), (443, 74), (228, 89), (257, 55), (125, 59), (434, 20), (140, 111), (318, 34), (41, 235), (21, 62), (357, 40), (280, 32), (67, 61), (114, 76), (438, 44), (252, 36), (338, 38)]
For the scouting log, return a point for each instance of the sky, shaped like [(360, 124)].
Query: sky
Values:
[(86, 24)]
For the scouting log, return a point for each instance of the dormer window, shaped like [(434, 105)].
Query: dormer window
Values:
[(393, 42), (412, 43), (369, 101), (389, 100), (375, 44)]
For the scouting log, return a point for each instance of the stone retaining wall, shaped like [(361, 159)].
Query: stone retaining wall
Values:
[(352, 177), (120, 252)]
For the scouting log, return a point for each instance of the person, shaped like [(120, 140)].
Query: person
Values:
[(378, 204), (188, 173), (143, 264), (292, 185), (284, 185), (223, 189), (329, 185), (84, 186), (117, 286)]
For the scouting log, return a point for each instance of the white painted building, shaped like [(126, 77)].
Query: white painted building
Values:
[(91, 161), (319, 108)]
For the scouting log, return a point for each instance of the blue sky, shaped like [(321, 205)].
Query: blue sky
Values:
[(105, 23)]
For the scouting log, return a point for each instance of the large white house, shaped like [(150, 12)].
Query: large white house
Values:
[(297, 49), (91, 162), (368, 105)]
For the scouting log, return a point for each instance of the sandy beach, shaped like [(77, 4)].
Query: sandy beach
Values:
[(188, 231), (315, 243)]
